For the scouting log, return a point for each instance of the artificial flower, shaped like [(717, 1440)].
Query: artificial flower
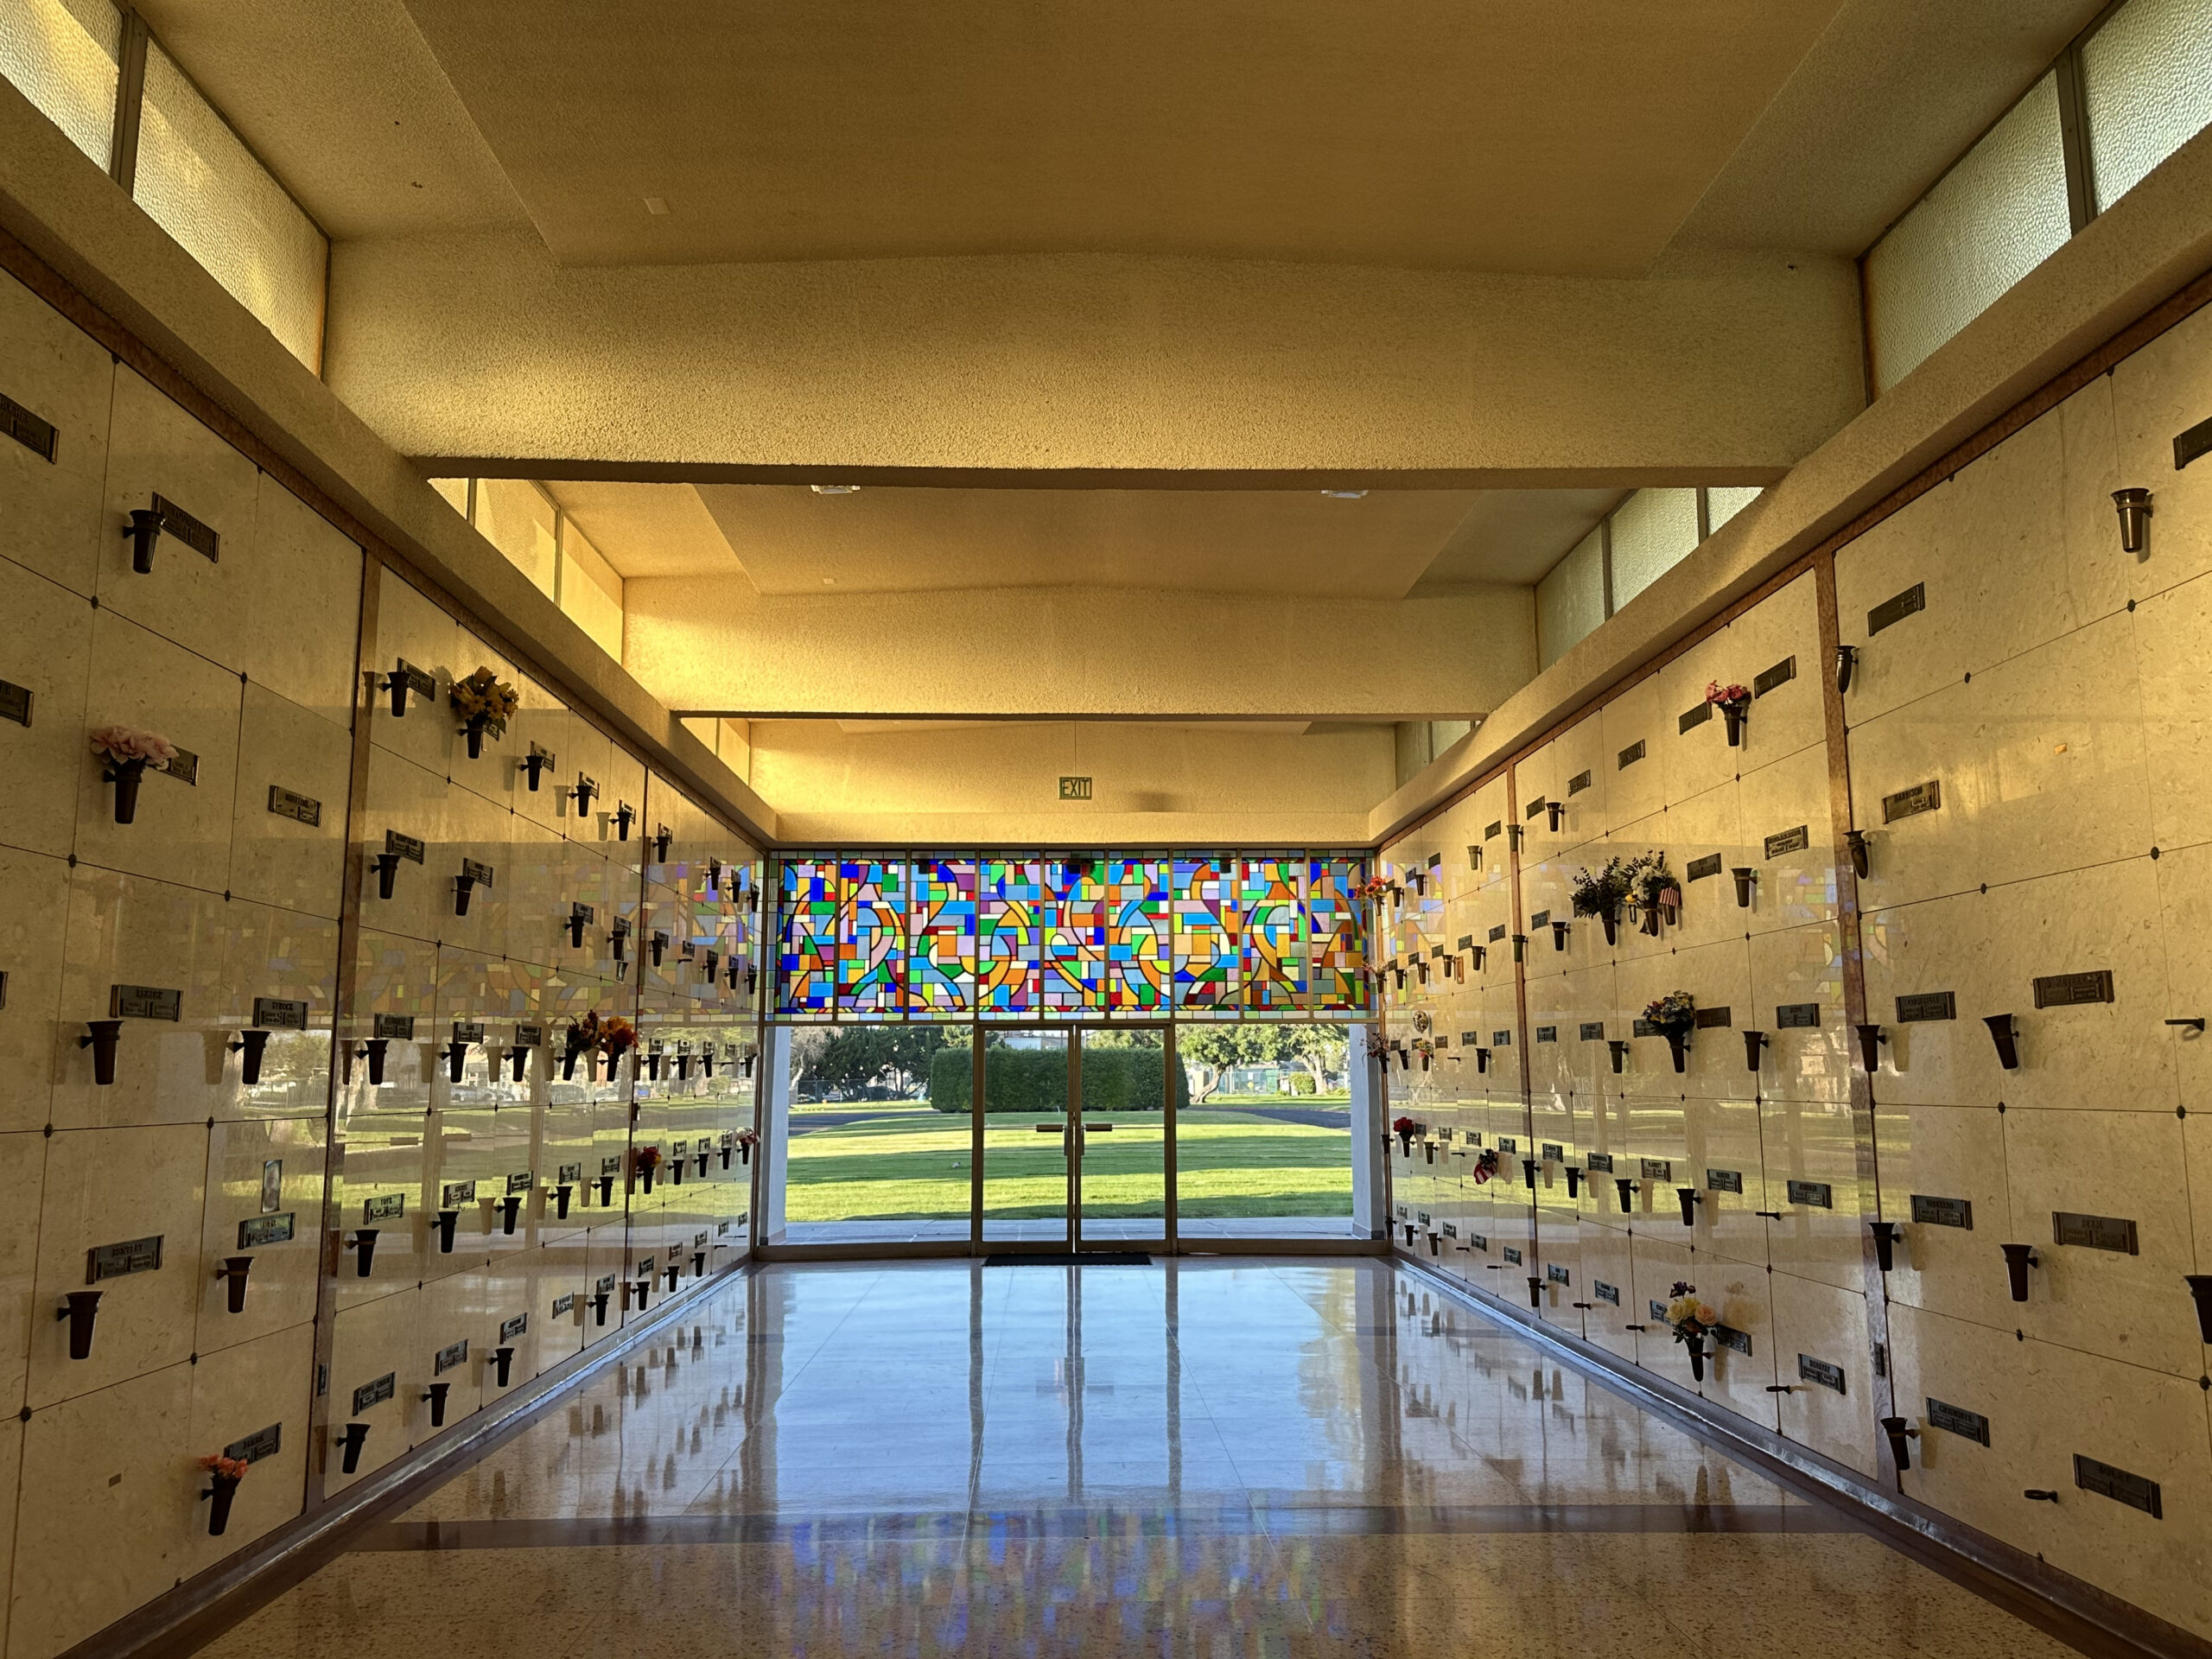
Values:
[(483, 696), (122, 743)]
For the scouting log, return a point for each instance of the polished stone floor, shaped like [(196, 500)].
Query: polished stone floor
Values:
[(1267, 1457)]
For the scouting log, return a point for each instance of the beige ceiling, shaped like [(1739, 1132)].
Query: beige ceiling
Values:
[(648, 529), (791, 540), (1568, 137)]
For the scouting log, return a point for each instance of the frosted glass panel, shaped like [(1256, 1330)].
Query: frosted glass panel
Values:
[(1571, 602), (2147, 75), (1995, 217), (455, 491), (61, 55), (205, 189), (514, 516), (1725, 501), (1653, 531), (591, 592)]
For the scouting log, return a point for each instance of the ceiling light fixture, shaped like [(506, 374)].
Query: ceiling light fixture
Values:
[(1345, 495), (835, 489), (655, 205)]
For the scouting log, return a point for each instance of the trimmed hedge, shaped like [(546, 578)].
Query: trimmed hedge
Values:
[(1035, 1080)]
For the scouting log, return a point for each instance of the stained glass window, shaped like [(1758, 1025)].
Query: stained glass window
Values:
[(1208, 936), (941, 937), (1140, 935), (871, 937), (1272, 915), (807, 951), (1010, 903)]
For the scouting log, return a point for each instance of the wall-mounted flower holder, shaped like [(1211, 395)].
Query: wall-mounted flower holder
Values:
[(618, 940), (351, 1440), (233, 1273), (579, 916), (463, 885), (144, 533), (1475, 856), (652, 1065), (81, 1308), (1535, 1292), (1846, 658), (1556, 812), (518, 1059), (709, 964), (435, 1398), (1482, 1059), (448, 1221), (387, 868), (714, 874), (1871, 1038), (582, 794), (1624, 1188), (659, 944), (2195, 1024), (2133, 506), (1513, 836), (2035, 1495), (606, 1191), (599, 1300), (1854, 842), (1481, 955), (1573, 1182), (625, 815), (1898, 1431), (1885, 1243), (533, 766), (674, 1271), (705, 1154), (676, 1171), (1734, 702), (2019, 1258), (662, 838), (1678, 1048), (126, 776), (1753, 1042), (510, 1209), (562, 1194), (1519, 946), (363, 1245), (1744, 876), (1618, 1049), (501, 1363), (2007, 1039), (224, 1475), (105, 1036), (253, 1044), (698, 1264), (1559, 935), (2200, 1287), (1529, 1173), (1694, 1347)]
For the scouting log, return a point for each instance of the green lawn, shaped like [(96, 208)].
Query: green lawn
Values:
[(899, 1167)]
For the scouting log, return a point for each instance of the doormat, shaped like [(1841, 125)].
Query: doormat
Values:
[(1062, 1259)]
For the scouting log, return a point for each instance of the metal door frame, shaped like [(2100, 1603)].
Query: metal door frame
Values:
[(1071, 1135)]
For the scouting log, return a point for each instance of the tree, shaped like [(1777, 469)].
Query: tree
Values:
[(1207, 1051)]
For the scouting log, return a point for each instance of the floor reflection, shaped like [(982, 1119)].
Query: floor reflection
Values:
[(1216, 1457)]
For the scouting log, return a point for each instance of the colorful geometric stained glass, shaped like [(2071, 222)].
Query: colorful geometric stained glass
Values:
[(1336, 951), (1210, 936), (872, 936), (807, 952), (1009, 902), (1139, 934), (1274, 937), (941, 937), (1073, 927)]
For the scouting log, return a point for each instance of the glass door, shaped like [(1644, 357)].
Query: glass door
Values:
[(1123, 1137), (1076, 1138)]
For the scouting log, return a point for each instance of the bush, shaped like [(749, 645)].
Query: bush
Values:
[(1035, 1080), (1302, 1082)]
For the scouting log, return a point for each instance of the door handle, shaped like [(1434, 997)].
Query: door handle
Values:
[(1048, 1128), (1098, 1128)]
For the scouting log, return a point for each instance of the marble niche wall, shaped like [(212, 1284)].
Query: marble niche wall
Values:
[(1991, 1046), (213, 1200)]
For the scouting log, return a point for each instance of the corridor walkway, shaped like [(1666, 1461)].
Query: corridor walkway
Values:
[(1212, 1459)]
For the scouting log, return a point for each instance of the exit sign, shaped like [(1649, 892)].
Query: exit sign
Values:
[(1075, 788)]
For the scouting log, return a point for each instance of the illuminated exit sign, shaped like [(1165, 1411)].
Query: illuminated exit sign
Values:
[(1075, 788)]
